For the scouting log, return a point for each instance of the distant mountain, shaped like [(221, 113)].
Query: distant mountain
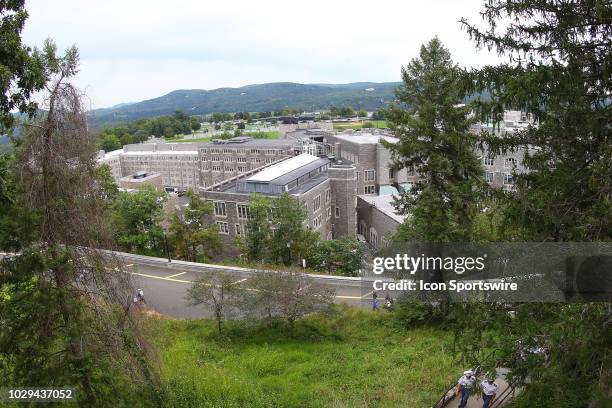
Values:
[(252, 98)]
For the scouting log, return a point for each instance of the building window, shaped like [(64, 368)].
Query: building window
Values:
[(489, 177), (510, 163), (327, 196), (220, 209), (238, 230), (369, 189), (316, 203), (329, 212), (223, 229), (508, 179), (370, 175), (337, 212), (489, 161), (243, 211), (316, 223), (373, 238), (391, 174)]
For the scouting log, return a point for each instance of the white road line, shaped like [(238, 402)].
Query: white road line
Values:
[(175, 275), (367, 294), (239, 281)]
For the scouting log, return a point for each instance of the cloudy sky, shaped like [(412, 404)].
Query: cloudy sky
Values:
[(135, 49)]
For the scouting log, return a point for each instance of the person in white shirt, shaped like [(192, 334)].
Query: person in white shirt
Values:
[(466, 383), (489, 389)]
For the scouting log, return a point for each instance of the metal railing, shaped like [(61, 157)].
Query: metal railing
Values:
[(446, 398)]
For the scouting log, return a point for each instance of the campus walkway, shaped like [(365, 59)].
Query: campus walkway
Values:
[(476, 402)]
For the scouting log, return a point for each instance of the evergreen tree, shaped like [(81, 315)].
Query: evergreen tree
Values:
[(559, 71), (435, 143), (64, 305)]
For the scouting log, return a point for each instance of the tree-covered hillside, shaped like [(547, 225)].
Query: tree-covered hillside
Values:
[(252, 98)]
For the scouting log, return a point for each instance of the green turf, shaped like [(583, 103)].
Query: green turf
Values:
[(273, 134), (200, 139), (359, 125), (354, 358)]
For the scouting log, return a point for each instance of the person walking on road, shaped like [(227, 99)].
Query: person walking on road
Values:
[(466, 383), (375, 301), (489, 389), (140, 296)]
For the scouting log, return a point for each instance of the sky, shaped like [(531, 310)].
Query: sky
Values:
[(132, 50)]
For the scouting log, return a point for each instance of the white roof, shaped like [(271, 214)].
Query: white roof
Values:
[(385, 205), (365, 138), (284, 167), (162, 152), (110, 155)]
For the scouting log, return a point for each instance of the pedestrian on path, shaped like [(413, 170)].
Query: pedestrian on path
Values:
[(466, 383), (375, 301), (489, 389)]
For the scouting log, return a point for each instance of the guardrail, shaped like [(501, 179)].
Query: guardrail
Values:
[(195, 266), (446, 397), (501, 398)]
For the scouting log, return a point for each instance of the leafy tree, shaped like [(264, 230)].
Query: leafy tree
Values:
[(110, 142), (362, 113), (23, 71), (258, 227), (287, 295), (218, 292), (136, 218), (105, 183), (435, 142), (298, 295), (64, 304), (337, 256), (191, 238), (346, 112), (334, 112), (379, 115), (290, 241), (275, 230), (195, 123), (218, 117)]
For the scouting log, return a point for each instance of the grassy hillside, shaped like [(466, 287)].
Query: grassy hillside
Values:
[(251, 98), (354, 358)]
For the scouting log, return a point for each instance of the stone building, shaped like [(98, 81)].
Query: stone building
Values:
[(304, 177)]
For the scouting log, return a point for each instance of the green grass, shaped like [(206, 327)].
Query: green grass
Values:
[(273, 134), (359, 125), (199, 139), (354, 358)]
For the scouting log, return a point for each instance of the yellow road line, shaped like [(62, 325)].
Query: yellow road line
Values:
[(185, 281), (175, 275)]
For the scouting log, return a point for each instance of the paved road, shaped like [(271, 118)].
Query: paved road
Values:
[(165, 284)]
